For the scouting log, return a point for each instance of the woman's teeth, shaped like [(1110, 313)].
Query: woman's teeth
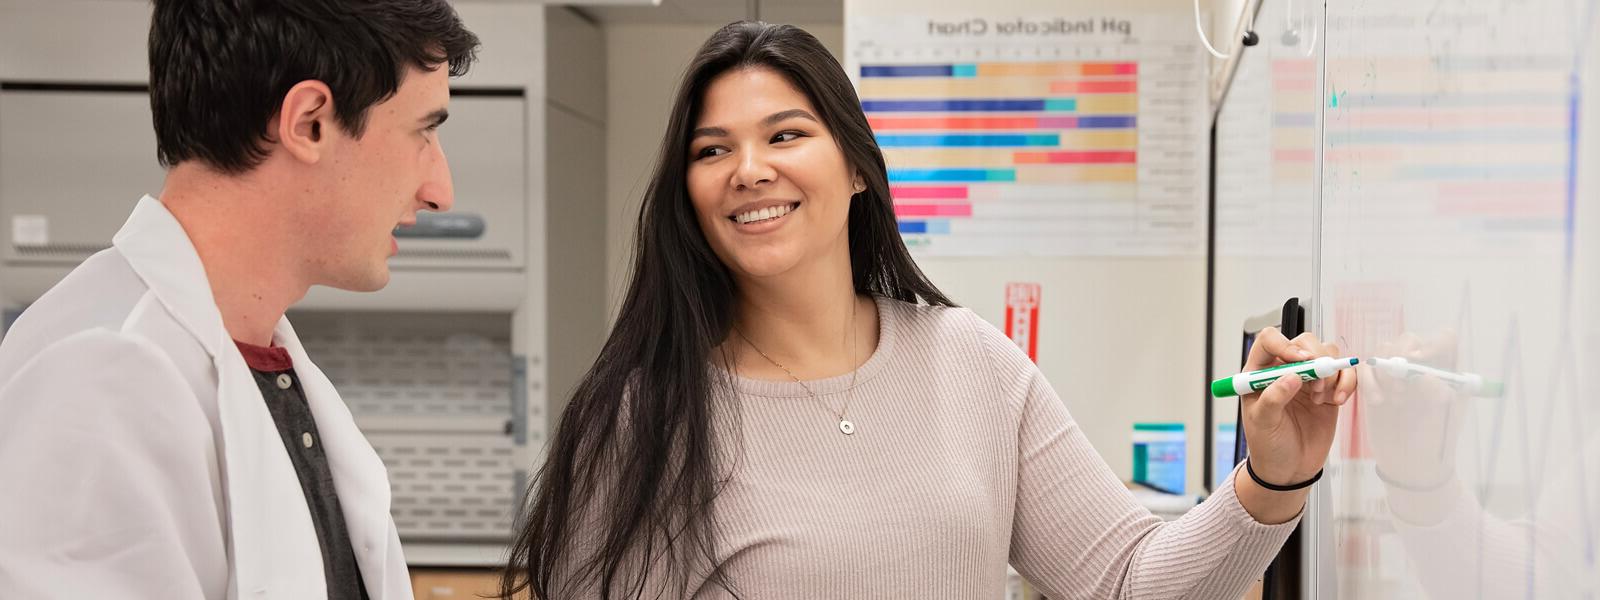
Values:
[(771, 212)]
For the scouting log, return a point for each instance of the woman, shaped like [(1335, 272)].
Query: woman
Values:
[(787, 408)]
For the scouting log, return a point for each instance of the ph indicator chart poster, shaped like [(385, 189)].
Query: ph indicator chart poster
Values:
[(1038, 135)]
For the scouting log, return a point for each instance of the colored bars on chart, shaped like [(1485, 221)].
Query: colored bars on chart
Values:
[(953, 134)]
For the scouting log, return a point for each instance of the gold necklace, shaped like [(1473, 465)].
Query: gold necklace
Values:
[(845, 426)]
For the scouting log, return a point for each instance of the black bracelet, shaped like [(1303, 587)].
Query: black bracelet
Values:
[(1280, 488)]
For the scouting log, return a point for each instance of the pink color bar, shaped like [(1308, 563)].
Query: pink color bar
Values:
[(1444, 118), (1094, 87), (933, 210), (1304, 68), (1093, 69), (1293, 85), (1058, 122), (886, 123), (909, 192), (1074, 158), (1502, 198), (1510, 206)]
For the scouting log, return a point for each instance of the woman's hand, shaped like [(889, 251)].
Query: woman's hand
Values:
[(1289, 426)]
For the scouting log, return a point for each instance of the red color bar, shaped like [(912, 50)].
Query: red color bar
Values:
[(1522, 205), (1094, 87), (933, 210), (1111, 68), (1080, 158), (891, 123), (1304, 68), (953, 192)]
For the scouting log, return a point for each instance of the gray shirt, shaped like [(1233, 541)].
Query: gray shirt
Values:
[(291, 413)]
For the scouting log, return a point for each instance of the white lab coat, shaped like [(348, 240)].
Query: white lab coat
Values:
[(137, 456)]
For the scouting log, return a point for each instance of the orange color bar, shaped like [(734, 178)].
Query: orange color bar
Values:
[(1093, 69), (1074, 158), (1061, 69)]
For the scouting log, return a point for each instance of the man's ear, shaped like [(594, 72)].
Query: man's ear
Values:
[(305, 121)]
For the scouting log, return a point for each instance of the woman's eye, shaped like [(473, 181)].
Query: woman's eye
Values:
[(710, 151), (787, 136)]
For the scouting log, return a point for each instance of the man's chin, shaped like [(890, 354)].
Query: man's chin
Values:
[(366, 282)]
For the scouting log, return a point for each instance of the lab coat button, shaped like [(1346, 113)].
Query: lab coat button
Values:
[(284, 381), (305, 438)]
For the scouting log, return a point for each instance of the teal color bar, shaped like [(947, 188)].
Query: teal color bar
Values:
[(964, 71), (1061, 104), (1158, 426)]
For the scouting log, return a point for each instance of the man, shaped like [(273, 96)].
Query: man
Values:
[(162, 433)]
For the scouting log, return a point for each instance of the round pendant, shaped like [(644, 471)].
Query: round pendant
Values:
[(847, 427)]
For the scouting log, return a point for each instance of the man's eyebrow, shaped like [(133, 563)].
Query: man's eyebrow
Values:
[(436, 118)]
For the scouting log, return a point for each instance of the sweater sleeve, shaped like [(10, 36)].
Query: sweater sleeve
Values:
[(1079, 533)]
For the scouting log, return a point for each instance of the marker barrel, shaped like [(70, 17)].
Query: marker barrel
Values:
[(1255, 381)]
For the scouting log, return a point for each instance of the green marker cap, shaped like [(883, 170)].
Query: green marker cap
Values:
[(1223, 388)]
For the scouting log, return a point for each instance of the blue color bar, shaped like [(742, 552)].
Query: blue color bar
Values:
[(1040, 105), (910, 70), (934, 226), (952, 175), (969, 140), (1106, 122)]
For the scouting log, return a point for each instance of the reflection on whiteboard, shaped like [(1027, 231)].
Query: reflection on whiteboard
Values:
[(1454, 175), (1045, 136), (1267, 142)]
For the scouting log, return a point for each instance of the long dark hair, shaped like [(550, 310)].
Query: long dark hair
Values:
[(629, 478)]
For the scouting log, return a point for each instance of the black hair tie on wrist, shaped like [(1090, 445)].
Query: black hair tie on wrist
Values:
[(1280, 488)]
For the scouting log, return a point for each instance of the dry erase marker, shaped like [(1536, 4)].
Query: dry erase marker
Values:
[(1255, 381), (1471, 383)]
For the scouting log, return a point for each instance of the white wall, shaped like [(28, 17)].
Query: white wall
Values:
[(575, 114)]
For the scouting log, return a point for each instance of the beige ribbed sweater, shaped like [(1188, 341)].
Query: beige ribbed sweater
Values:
[(963, 460)]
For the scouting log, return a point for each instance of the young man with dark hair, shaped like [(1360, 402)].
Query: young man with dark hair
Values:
[(162, 433)]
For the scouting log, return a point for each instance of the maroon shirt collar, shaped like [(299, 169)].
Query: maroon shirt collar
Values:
[(265, 358)]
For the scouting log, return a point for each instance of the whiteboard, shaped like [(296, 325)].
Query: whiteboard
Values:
[(1452, 223)]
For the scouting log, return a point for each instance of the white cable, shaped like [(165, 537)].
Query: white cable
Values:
[(1202, 31)]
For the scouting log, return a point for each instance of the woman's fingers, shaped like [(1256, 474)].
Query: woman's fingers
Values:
[(1345, 384), (1271, 348), (1270, 403)]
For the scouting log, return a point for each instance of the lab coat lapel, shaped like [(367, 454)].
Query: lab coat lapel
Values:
[(270, 535), (358, 474)]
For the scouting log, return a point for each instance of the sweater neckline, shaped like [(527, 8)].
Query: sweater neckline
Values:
[(887, 332)]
